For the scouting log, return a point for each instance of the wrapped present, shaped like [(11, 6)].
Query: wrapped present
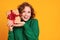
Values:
[(15, 18)]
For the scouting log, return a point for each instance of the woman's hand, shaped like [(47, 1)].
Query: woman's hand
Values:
[(17, 21), (10, 28), (10, 25), (19, 24)]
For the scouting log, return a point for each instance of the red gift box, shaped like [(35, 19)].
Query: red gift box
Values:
[(12, 16)]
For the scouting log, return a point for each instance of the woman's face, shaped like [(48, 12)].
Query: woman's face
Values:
[(26, 13)]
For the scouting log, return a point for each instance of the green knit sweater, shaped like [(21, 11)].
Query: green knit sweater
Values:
[(29, 31)]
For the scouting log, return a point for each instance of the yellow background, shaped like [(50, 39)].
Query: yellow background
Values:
[(47, 13)]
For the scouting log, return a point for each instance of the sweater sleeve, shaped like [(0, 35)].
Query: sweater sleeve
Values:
[(10, 35), (32, 31)]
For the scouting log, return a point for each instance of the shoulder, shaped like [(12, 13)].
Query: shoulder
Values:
[(34, 20)]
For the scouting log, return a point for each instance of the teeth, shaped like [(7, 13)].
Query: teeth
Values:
[(25, 17)]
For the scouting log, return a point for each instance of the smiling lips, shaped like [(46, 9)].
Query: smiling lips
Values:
[(26, 17)]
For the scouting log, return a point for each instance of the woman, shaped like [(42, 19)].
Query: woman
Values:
[(27, 28)]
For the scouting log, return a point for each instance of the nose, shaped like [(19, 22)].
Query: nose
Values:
[(26, 14)]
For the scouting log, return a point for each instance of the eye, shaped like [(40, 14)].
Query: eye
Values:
[(23, 11), (29, 11)]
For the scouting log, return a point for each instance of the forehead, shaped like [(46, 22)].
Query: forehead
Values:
[(27, 8)]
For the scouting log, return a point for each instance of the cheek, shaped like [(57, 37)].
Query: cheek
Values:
[(28, 14), (22, 15)]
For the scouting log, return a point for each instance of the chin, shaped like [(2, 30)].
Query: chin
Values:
[(26, 19)]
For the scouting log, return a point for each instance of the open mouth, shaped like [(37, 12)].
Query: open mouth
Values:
[(26, 17)]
